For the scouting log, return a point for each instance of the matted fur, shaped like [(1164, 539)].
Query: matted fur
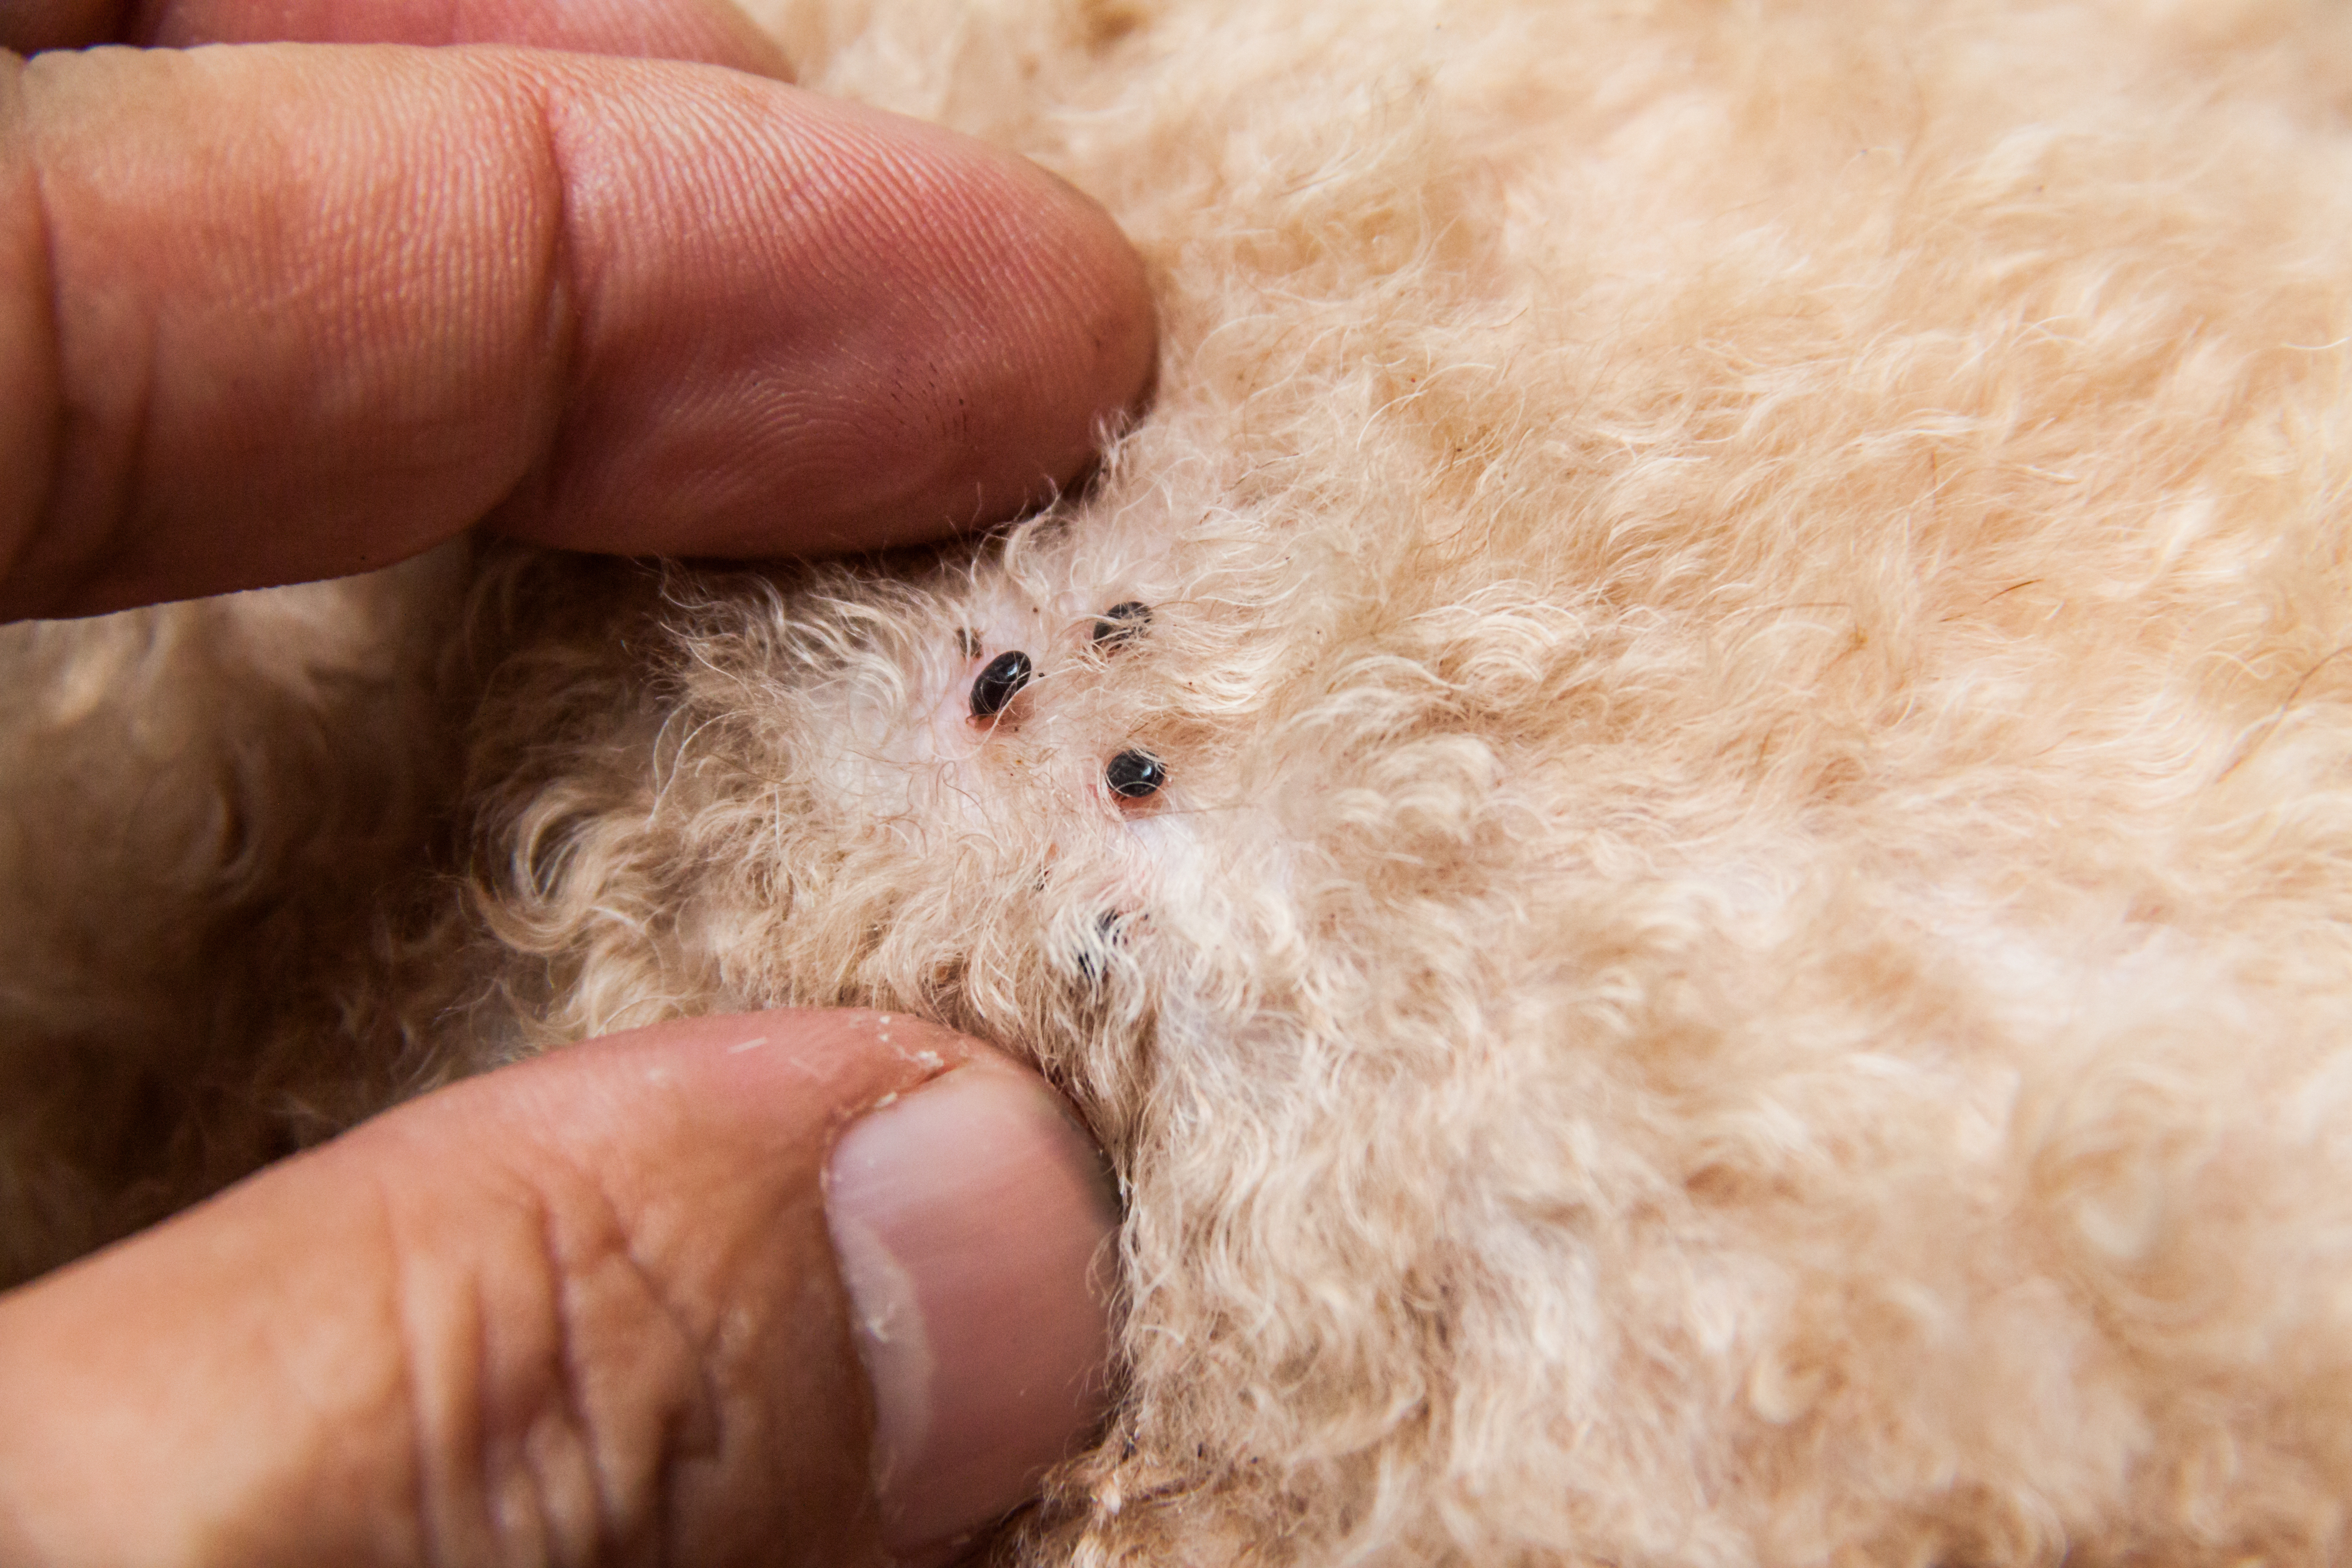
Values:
[(1745, 959)]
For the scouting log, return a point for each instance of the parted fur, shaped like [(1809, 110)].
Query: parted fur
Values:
[(1746, 957)]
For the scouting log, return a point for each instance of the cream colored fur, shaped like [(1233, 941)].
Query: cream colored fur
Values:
[(1747, 957)]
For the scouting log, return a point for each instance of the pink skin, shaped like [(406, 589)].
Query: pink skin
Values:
[(1049, 745)]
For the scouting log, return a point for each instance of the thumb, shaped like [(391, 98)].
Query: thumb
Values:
[(589, 1308)]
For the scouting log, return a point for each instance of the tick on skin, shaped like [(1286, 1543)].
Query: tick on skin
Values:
[(1121, 624), (1135, 774), (994, 686)]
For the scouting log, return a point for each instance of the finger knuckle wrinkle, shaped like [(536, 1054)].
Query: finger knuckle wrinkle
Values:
[(588, 1421), (559, 301)]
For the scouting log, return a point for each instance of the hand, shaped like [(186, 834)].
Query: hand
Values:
[(795, 1286), (274, 312), (586, 1311)]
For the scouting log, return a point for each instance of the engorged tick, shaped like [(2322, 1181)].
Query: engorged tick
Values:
[(1121, 622), (1134, 774), (994, 686)]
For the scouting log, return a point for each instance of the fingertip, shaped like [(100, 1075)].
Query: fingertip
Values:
[(863, 331), (971, 1219), (972, 1222), (717, 1156)]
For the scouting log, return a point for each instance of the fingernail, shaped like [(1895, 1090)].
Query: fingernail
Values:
[(972, 1220)]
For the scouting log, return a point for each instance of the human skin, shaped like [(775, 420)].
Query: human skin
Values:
[(275, 312), (269, 313)]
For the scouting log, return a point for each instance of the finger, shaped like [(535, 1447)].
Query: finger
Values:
[(585, 1310), (28, 26), (276, 311), (710, 31), (707, 30)]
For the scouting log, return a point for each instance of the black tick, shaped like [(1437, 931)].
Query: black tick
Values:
[(1134, 774), (1121, 624), (994, 686)]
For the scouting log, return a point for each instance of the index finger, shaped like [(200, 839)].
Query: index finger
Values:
[(271, 312), (711, 31)]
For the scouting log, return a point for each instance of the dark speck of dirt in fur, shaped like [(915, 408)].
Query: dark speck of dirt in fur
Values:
[(1121, 624), (997, 684), (1135, 774)]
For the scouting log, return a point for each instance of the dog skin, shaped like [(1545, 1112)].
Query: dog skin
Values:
[(1739, 955)]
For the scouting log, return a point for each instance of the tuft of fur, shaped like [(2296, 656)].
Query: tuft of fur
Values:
[(1748, 954)]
